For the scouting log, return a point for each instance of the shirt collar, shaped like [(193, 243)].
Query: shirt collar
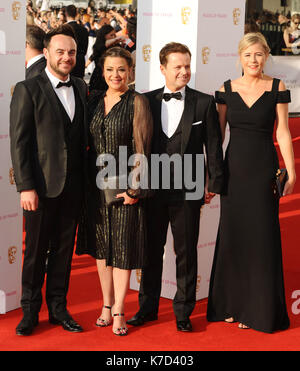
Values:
[(34, 59), (53, 79)]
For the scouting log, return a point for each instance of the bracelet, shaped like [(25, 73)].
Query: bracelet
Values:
[(131, 196)]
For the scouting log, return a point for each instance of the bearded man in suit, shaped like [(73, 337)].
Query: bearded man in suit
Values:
[(185, 121), (48, 148)]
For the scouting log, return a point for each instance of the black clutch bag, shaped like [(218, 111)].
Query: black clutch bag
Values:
[(110, 196), (111, 192), (281, 179)]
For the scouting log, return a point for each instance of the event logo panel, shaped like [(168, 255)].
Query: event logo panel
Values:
[(16, 10), (147, 50), (236, 16), (12, 254), (205, 54), (12, 176), (12, 22), (186, 13)]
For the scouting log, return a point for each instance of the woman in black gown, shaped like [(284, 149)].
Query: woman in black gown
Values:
[(115, 235), (247, 276)]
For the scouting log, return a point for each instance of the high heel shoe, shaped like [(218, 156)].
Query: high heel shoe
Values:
[(243, 327), (120, 331), (230, 320), (102, 322)]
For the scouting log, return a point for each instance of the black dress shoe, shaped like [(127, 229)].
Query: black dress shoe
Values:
[(66, 321), (140, 319), (27, 325), (184, 326)]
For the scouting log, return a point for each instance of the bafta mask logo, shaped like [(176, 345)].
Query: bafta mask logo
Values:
[(147, 50), (12, 90), (16, 10), (198, 283), (11, 176), (12, 254), (236, 16), (138, 275), (205, 54), (186, 13)]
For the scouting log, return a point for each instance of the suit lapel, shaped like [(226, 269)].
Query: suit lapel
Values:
[(157, 118), (50, 95), (83, 98), (80, 91), (187, 118)]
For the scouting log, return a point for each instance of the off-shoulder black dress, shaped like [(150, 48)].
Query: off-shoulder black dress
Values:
[(247, 275), (115, 233)]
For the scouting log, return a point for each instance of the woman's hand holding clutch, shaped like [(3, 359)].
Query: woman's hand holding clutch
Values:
[(289, 187), (127, 199)]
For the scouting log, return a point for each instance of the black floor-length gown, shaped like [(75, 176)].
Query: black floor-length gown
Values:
[(115, 233), (247, 275)]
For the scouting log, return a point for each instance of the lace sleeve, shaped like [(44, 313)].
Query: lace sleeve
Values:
[(139, 182)]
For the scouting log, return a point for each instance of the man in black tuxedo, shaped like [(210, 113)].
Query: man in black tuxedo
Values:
[(35, 59), (82, 38), (48, 149), (185, 120)]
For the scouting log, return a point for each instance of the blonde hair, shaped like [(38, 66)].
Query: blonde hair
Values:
[(85, 18), (252, 38), (295, 16)]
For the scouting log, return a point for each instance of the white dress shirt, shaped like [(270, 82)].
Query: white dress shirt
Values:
[(65, 94), (171, 113)]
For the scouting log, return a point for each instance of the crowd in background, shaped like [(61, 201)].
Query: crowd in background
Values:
[(282, 32), (92, 18), (106, 27)]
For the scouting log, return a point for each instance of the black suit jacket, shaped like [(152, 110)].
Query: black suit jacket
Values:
[(194, 138), (38, 146), (36, 68), (82, 38)]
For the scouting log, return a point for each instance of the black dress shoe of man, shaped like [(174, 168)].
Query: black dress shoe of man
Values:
[(27, 325), (184, 326), (140, 319), (66, 321)]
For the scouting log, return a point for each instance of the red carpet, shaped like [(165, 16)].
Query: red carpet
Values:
[(85, 303)]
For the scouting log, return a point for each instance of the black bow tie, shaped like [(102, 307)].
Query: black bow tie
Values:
[(168, 96), (61, 84)]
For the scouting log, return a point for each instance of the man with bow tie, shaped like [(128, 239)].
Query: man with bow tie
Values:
[(48, 148), (185, 121)]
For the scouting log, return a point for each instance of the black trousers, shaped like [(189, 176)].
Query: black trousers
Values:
[(184, 218), (52, 225)]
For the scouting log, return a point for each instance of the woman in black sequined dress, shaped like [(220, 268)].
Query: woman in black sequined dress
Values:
[(116, 235)]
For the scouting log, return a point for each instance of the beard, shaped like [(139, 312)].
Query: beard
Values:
[(61, 71)]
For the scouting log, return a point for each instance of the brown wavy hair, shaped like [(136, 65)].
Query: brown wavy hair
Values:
[(172, 48)]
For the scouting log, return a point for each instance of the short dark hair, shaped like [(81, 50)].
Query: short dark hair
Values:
[(131, 27), (64, 29), (117, 52), (71, 11), (172, 48), (35, 37)]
